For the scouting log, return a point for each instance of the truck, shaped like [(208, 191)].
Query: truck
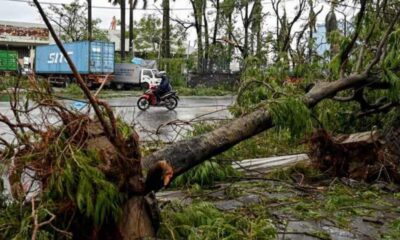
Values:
[(8, 62), (141, 74), (93, 60)]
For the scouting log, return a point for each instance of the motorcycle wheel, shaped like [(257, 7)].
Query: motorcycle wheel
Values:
[(171, 103), (143, 104)]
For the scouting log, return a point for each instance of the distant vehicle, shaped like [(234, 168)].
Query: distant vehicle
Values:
[(168, 100), (128, 75), (8, 62), (93, 60)]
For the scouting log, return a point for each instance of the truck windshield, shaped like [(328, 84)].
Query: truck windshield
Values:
[(148, 73)]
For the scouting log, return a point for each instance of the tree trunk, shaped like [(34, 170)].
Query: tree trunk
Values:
[(123, 27), (165, 41), (216, 23), (136, 222), (198, 16), (186, 154), (131, 27), (206, 38), (246, 32), (89, 19)]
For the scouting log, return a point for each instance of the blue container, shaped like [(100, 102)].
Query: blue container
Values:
[(88, 57)]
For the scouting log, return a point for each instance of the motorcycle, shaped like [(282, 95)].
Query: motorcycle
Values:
[(169, 100)]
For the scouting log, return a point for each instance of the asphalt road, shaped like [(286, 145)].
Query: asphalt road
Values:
[(151, 124)]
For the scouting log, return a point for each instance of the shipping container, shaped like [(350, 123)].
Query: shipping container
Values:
[(8, 61), (88, 57)]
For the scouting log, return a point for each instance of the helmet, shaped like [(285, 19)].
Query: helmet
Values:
[(161, 74)]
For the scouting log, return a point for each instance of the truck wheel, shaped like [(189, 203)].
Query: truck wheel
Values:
[(119, 86), (143, 104), (90, 84), (66, 83), (145, 86)]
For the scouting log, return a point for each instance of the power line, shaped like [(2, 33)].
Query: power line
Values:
[(127, 9)]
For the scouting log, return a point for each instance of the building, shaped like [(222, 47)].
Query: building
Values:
[(23, 37), (115, 37)]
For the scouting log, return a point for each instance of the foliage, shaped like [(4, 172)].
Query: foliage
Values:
[(84, 183), (71, 19), (292, 114), (147, 34), (175, 68), (203, 221), (205, 174)]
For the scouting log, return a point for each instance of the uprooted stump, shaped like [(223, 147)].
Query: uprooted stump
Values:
[(367, 156)]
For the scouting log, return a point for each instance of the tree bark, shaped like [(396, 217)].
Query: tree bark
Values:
[(131, 7), (136, 223), (165, 41), (123, 27), (186, 154), (198, 16), (206, 39), (90, 19)]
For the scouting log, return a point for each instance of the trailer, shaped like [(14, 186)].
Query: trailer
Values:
[(8, 62), (93, 60)]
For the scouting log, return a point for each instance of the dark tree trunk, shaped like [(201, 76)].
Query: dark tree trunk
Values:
[(257, 23), (216, 24), (123, 27), (246, 32), (206, 38), (90, 20), (166, 31), (131, 26), (198, 16)]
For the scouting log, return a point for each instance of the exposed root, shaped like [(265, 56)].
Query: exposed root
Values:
[(366, 156)]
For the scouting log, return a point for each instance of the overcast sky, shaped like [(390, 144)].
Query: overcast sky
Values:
[(15, 10)]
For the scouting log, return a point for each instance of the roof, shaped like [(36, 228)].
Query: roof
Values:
[(23, 34), (23, 24)]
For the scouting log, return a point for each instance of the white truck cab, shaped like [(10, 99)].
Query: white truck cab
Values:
[(148, 78)]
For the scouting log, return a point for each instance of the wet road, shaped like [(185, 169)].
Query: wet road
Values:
[(151, 124)]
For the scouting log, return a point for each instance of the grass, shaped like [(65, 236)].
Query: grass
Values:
[(73, 91), (204, 91), (203, 221)]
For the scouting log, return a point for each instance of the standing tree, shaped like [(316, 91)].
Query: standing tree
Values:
[(89, 2), (73, 24), (198, 7), (166, 31), (132, 7)]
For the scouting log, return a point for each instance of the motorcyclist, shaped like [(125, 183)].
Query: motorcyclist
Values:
[(164, 86)]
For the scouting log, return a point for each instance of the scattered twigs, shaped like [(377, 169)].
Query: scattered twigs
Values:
[(107, 129), (36, 223)]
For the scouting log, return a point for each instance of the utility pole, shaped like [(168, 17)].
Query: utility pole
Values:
[(90, 19)]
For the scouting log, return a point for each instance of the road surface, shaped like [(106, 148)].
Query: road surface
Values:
[(151, 123)]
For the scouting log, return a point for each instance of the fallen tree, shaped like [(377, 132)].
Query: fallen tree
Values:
[(186, 154), (91, 169)]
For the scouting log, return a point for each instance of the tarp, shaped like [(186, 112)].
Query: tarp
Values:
[(150, 64)]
